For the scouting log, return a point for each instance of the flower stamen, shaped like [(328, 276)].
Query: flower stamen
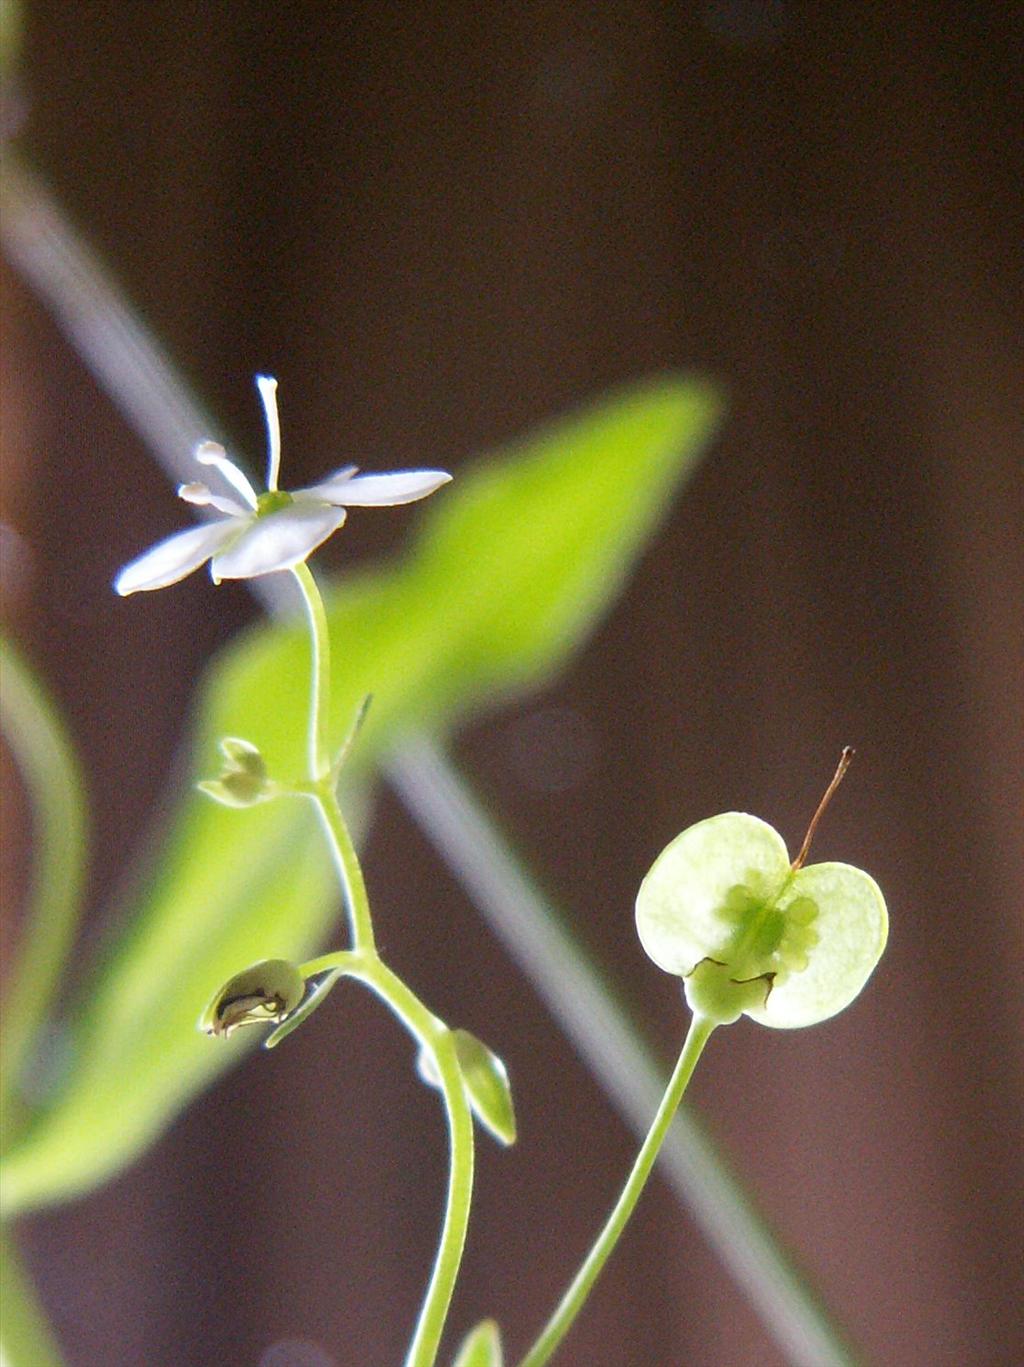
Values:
[(212, 453), (202, 497)]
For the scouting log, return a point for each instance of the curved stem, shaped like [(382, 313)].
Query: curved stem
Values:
[(363, 962), (350, 873), (433, 1035), (579, 1288), (46, 759), (320, 683), (321, 786)]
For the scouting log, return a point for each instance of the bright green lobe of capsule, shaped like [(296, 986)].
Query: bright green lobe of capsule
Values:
[(722, 908), (714, 993)]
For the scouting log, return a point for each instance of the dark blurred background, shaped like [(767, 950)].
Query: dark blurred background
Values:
[(439, 225)]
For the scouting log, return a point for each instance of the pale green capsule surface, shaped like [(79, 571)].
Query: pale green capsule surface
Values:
[(786, 947)]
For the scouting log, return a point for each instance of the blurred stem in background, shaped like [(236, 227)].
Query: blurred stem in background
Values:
[(46, 760), (139, 378)]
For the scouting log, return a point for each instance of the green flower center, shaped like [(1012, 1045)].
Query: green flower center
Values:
[(272, 502)]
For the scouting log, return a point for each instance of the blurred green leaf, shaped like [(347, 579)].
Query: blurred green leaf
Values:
[(514, 564), (481, 1347)]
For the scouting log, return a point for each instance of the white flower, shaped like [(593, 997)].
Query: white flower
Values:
[(270, 531)]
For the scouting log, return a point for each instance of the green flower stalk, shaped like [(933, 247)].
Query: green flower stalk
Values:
[(264, 534), (750, 933)]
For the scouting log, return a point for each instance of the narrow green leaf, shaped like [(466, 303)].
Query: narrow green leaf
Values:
[(317, 988), (481, 1347), (138, 1056), (515, 563), (26, 1339)]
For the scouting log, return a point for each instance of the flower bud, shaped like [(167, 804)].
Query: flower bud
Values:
[(243, 780), (486, 1081), (261, 995)]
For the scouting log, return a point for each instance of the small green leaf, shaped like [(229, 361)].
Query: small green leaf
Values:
[(723, 908), (481, 1347), (513, 567), (318, 985), (486, 1080)]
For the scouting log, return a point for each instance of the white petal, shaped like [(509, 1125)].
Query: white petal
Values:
[(329, 489), (212, 453), (171, 559), (267, 386), (202, 497), (278, 541), (367, 491)]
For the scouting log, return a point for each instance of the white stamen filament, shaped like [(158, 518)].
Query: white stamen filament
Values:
[(212, 453), (201, 497), (267, 386)]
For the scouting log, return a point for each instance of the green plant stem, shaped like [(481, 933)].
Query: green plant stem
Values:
[(435, 1037), (320, 685), (47, 762), (350, 873), (321, 786), (25, 1336), (540, 940), (363, 962), (579, 1288)]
